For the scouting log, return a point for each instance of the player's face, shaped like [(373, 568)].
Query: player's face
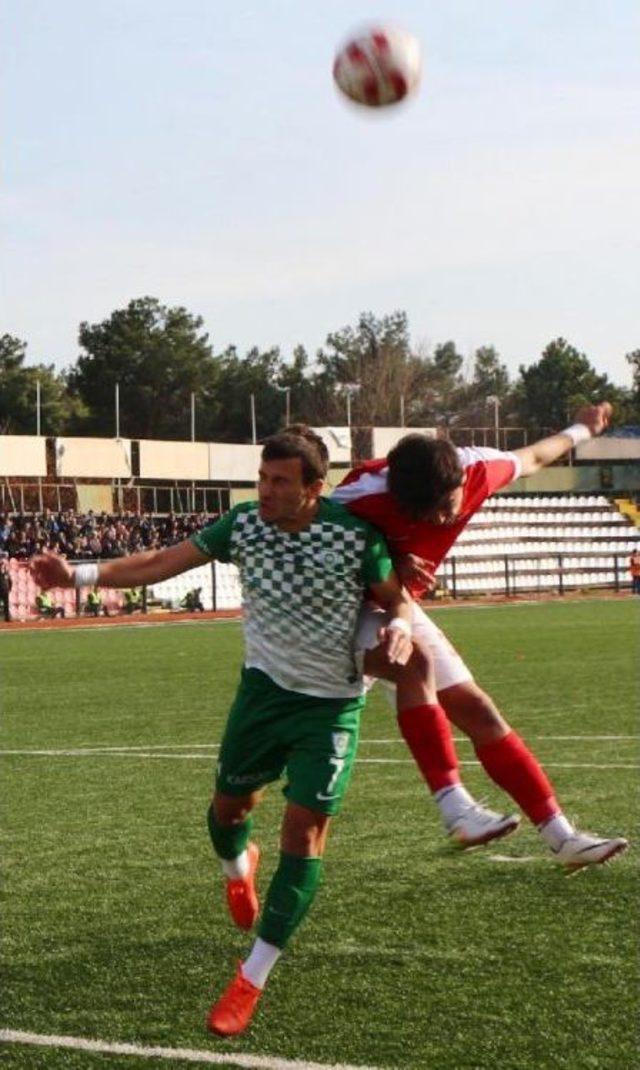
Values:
[(285, 499), (448, 508)]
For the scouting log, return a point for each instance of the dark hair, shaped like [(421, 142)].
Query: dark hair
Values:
[(298, 440), (422, 471)]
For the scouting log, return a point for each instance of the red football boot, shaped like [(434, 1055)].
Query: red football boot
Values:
[(234, 1010), (242, 897)]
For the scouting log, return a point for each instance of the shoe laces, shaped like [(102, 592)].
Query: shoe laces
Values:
[(479, 810)]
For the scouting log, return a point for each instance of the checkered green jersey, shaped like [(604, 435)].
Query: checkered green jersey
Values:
[(301, 592)]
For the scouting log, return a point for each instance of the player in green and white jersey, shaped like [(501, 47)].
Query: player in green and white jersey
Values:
[(305, 564)]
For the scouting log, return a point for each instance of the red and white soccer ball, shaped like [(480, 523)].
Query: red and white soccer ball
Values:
[(377, 66)]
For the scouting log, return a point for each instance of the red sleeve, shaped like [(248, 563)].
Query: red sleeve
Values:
[(500, 473), (361, 470)]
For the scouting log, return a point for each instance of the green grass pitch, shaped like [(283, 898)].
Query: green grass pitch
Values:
[(415, 955)]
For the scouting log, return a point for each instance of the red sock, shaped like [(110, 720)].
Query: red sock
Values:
[(428, 735), (511, 764)]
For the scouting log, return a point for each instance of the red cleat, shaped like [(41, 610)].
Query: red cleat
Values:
[(234, 1010), (242, 898)]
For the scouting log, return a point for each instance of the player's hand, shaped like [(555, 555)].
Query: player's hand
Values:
[(398, 645), (596, 417), (412, 569), (49, 569)]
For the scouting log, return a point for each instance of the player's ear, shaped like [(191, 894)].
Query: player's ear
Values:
[(314, 490)]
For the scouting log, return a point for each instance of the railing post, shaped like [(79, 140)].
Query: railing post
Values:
[(453, 578), (560, 575), (507, 585), (616, 571)]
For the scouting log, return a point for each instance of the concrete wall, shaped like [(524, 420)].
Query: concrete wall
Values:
[(385, 438), (233, 463), (173, 460), (94, 458), (579, 479), (609, 449), (23, 455)]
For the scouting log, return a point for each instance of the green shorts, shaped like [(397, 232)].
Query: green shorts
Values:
[(271, 730)]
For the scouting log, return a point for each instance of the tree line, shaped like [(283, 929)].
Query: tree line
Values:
[(161, 356)]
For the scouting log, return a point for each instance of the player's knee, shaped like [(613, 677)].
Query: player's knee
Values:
[(473, 711), (230, 809), (304, 831)]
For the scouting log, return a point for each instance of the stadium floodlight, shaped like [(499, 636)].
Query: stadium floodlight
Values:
[(286, 390)]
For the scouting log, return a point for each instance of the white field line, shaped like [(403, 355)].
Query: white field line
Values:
[(143, 750), (119, 626), (547, 765), (568, 739), (90, 753), (189, 1055)]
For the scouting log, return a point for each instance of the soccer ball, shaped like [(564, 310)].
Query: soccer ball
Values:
[(377, 66)]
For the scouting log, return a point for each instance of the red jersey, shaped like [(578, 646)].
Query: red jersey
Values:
[(365, 492)]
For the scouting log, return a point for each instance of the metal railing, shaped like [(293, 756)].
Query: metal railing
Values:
[(544, 573)]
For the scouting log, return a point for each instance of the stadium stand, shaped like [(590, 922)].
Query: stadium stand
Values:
[(541, 543), (100, 498)]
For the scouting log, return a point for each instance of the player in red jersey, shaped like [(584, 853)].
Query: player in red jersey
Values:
[(422, 496)]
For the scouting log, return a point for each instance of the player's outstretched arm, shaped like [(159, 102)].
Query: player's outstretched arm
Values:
[(590, 420), (150, 566)]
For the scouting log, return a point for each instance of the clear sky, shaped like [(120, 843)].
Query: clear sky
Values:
[(196, 150)]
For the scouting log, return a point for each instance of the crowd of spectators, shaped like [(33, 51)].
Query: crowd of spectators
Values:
[(83, 537)]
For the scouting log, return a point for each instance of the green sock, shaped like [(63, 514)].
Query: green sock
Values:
[(291, 893), (228, 841)]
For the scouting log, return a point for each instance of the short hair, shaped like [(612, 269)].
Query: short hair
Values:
[(298, 440), (422, 471)]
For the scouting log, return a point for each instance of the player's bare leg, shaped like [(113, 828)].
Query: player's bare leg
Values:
[(292, 890), (510, 764), (425, 728)]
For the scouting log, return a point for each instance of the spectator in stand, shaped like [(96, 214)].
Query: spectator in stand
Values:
[(634, 569), (6, 584), (90, 536)]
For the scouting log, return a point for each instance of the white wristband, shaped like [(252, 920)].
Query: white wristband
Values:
[(401, 625), (86, 575), (577, 433)]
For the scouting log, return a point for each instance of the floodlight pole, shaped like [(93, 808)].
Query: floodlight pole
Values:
[(286, 390), (193, 417), (254, 432), (350, 389), (38, 408), (495, 400), (402, 410), (117, 410)]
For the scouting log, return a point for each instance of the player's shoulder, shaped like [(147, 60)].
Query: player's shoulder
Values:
[(481, 455), (366, 479), (334, 512), (250, 508), (236, 512)]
